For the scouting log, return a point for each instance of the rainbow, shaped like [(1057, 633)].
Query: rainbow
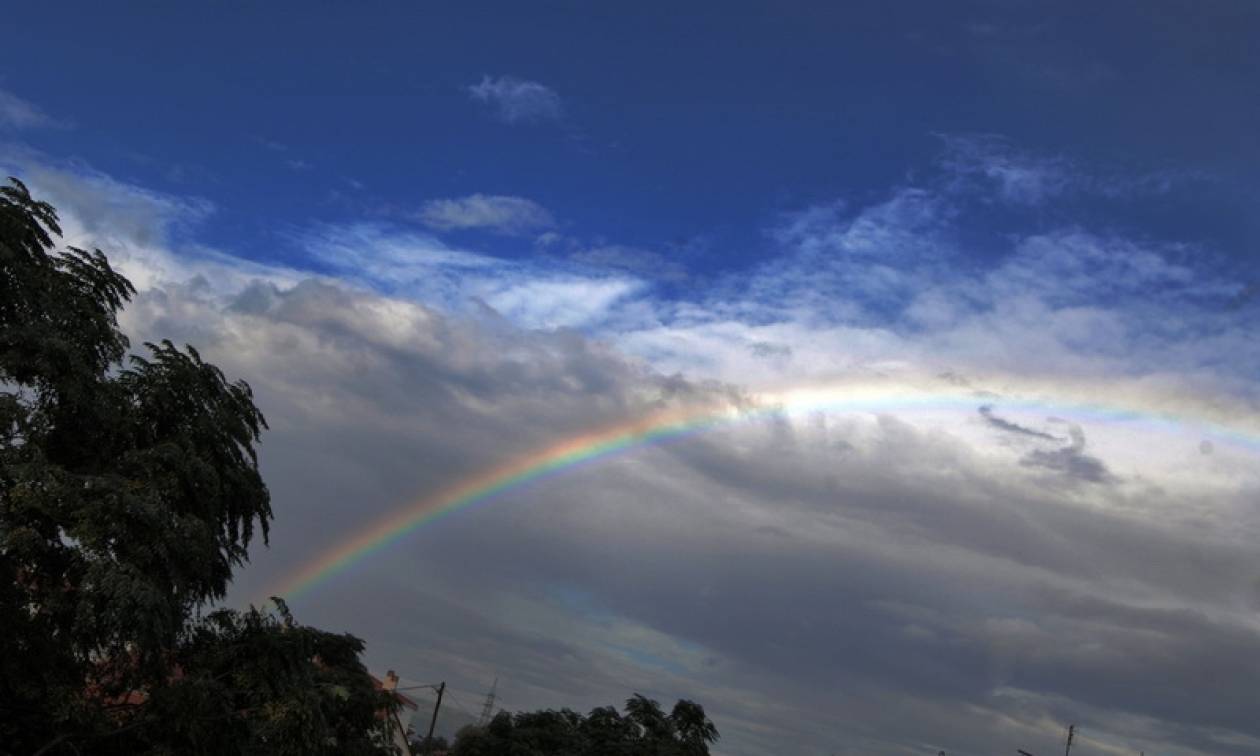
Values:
[(1147, 410)]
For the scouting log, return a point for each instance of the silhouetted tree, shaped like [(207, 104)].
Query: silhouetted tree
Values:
[(606, 731), (250, 682), (645, 730), (128, 495), (425, 746), (693, 730)]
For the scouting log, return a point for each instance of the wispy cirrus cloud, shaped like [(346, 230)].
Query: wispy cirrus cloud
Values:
[(499, 213), (538, 294), (1000, 170), (640, 262), (514, 100), (892, 282), (17, 113)]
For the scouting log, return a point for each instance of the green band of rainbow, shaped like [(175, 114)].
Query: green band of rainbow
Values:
[(1232, 427)]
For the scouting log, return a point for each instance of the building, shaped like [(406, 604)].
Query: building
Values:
[(398, 733)]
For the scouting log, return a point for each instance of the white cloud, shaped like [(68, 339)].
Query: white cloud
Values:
[(640, 262), (147, 234), (517, 100), (1017, 176), (544, 294), (995, 168), (557, 302), (821, 581), (17, 113), (893, 283), (494, 212), (900, 226)]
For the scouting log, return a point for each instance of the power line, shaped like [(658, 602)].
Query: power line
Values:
[(434, 686), (458, 705), (442, 690)]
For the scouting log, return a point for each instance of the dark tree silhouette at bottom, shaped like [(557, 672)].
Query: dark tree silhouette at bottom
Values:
[(644, 730)]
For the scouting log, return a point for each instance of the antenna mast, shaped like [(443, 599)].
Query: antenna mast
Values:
[(487, 711)]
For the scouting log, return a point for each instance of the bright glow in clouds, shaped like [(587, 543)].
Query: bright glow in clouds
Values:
[(1145, 415)]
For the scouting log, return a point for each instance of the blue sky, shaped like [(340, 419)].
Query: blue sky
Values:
[(682, 131), (436, 237)]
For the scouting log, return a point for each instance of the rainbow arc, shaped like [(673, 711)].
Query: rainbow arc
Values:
[(1084, 402)]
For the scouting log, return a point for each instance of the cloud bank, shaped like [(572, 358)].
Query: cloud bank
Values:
[(824, 582)]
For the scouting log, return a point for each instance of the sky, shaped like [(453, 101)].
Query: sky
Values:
[(987, 272)]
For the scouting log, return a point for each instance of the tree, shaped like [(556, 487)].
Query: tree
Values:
[(254, 683), (609, 733), (656, 731), (694, 731), (644, 730), (129, 492), (422, 746)]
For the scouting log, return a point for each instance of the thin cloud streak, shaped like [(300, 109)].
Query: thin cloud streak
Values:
[(17, 113), (499, 213)]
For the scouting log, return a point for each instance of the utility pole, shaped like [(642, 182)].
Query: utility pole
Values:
[(1067, 751), (488, 710), (433, 722)]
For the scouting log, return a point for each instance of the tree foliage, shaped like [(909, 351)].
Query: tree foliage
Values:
[(425, 746), (254, 683), (644, 730), (129, 492)]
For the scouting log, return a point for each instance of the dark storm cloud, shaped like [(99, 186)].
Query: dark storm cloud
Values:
[(986, 412), (1071, 460), (890, 612), (903, 582), (883, 612)]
